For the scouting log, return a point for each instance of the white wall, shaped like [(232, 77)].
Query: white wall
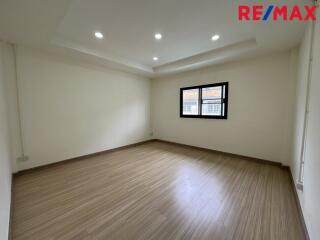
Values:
[(12, 104), (310, 197), (5, 165), (70, 109), (300, 102), (259, 121), (300, 108)]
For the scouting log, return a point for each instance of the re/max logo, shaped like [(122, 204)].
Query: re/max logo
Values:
[(260, 12)]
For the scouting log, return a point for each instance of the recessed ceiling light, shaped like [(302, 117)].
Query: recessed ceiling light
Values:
[(98, 35), (158, 36), (215, 37), (155, 58)]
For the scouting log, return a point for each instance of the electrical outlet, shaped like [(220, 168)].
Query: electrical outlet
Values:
[(151, 134), (23, 159), (300, 186)]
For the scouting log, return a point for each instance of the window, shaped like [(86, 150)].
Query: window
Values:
[(206, 101)]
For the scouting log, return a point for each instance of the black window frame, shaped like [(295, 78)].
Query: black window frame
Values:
[(224, 100)]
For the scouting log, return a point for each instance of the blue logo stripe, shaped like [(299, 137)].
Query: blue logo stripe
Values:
[(268, 12)]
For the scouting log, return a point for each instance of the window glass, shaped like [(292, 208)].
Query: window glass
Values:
[(211, 101), (191, 102)]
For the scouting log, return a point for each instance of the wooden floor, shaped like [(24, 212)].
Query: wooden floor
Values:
[(156, 191)]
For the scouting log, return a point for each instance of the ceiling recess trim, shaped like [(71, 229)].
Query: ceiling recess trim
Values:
[(197, 61), (207, 58)]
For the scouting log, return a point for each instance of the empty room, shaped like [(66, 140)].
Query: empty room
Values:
[(159, 120)]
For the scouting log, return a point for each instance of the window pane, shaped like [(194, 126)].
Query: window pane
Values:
[(211, 101), (211, 93), (191, 102), (223, 110), (211, 109)]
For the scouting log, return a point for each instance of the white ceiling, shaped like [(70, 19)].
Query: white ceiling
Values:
[(67, 26)]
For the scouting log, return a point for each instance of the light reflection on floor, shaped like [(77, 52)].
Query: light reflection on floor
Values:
[(198, 196)]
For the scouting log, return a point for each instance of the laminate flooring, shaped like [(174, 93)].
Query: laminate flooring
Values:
[(156, 190)]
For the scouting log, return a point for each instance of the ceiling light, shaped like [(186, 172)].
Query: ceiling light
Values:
[(215, 37), (98, 35), (158, 36), (155, 58)]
